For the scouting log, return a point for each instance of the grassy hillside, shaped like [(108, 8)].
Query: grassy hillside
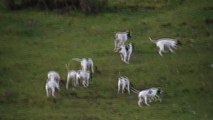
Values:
[(33, 42)]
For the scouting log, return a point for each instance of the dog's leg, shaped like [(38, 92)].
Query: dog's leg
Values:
[(145, 100), (160, 52), (87, 82), (76, 80), (123, 88), (140, 101), (47, 91), (171, 50), (150, 99), (128, 56), (115, 43), (118, 87), (53, 91), (128, 89), (125, 57), (68, 80), (122, 58), (84, 83), (158, 98)]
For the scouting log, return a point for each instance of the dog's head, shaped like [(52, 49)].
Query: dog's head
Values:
[(160, 91), (178, 43)]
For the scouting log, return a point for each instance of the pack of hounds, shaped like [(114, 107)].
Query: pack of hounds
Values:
[(83, 76)]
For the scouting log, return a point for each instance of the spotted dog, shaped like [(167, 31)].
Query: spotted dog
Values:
[(120, 39)]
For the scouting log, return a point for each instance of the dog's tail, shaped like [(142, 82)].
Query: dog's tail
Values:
[(153, 41), (67, 67), (119, 74), (77, 59)]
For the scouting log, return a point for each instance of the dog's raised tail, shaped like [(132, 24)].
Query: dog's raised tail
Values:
[(77, 59), (67, 67), (153, 41)]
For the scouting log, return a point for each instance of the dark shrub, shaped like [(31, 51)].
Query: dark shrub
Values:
[(86, 6), (92, 6), (12, 4)]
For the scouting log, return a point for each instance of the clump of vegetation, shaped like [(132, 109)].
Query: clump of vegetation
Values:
[(86, 6)]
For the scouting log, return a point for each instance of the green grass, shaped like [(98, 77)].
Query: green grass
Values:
[(34, 42)]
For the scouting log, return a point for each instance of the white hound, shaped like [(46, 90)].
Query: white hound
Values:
[(84, 77), (163, 43), (53, 75), (71, 75), (125, 52), (149, 94), (51, 86), (120, 39), (86, 64), (123, 83)]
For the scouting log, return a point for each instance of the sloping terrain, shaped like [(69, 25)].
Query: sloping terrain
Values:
[(34, 42)]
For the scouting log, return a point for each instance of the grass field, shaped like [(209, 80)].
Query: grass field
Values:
[(32, 42)]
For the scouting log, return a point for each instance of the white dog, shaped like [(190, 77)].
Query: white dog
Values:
[(84, 77), (86, 64), (53, 75), (123, 83), (72, 75), (51, 86), (164, 43), (126, 52), (149, 94), (120, 39)]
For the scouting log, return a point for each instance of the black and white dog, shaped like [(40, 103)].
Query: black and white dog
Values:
[(125, 52), (120, 39), (51, 87), (163, 43), (86, 64), (123, 83), (151, 94), (52, 83), (84, 77)]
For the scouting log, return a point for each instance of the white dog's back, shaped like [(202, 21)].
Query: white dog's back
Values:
[(53, 75)]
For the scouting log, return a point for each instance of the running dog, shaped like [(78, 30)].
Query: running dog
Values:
[(163, 43), (149, 94)]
